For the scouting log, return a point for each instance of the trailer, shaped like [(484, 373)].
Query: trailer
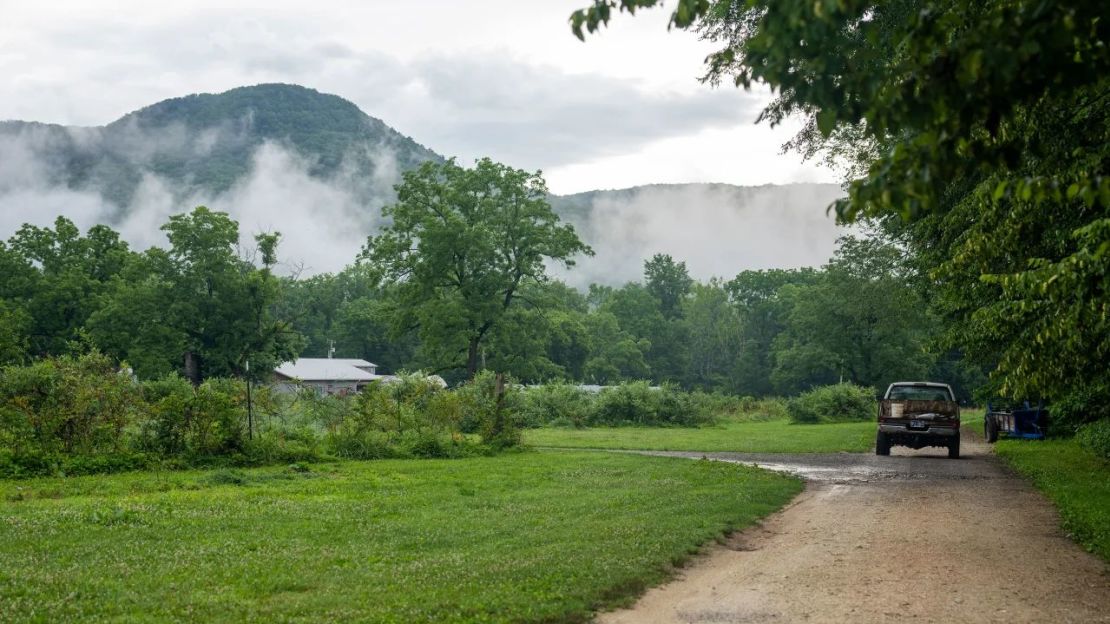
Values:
[(1025, 421)]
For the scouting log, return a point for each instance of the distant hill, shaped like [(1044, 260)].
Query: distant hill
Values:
[(205, 142), (207, 148)]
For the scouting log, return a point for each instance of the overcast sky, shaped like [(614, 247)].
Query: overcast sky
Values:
[(503, 78)]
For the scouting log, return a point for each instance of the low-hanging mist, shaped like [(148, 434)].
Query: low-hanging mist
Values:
[(319, 170), (717, 229)]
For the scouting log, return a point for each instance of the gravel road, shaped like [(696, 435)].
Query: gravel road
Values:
[(911, 537)]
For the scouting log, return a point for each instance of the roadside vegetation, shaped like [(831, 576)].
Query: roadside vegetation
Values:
[(1075, 477), (522, 537)]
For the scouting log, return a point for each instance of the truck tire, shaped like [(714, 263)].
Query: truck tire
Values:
[(990, 429), (882, 444), (954, 448)]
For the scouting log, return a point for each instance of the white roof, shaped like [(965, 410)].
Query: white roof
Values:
[(326, 369)]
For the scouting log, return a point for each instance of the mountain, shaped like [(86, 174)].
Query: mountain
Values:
[(316, 168), (205, 142)]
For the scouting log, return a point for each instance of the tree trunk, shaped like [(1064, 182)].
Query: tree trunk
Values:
[(472, 359), (192, 368)]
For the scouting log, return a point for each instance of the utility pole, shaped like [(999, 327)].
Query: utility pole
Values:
[(250, 408)]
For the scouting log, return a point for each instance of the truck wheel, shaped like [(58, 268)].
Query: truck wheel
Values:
[(882, 444), (990, 429), (954, 448)]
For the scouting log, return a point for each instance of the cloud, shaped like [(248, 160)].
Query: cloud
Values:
[(469, 102), (536, 116)]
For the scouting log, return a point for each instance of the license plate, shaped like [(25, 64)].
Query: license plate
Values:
[(917, 424)]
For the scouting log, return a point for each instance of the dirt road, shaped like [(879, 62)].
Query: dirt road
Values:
[(911, 537)]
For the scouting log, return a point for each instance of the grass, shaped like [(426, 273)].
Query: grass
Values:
[(1075, 479), (776, 436), (534, 536)]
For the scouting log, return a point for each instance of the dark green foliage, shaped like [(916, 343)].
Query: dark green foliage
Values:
[(554, 403), (1095, 437), (842, 402)]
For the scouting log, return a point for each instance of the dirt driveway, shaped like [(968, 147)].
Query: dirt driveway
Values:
[(911, 537)]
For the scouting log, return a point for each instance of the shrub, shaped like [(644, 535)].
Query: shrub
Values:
[(836, 403), (491, 409), (637, 403), (555, 402), (1095, 437), (70, 405)]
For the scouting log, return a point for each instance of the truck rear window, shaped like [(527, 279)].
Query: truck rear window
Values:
[(919, 393)]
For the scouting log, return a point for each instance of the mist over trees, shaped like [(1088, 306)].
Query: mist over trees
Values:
[(457, 285)]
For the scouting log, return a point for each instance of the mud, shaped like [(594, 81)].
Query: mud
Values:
[(911, 537)]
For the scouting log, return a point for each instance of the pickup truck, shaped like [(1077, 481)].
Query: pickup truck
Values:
[(918, 414)]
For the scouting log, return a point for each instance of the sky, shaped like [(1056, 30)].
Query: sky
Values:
[(498, 78)]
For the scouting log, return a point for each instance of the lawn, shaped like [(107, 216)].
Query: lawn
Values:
[(1075, 479), (532, 536), (776, 436)]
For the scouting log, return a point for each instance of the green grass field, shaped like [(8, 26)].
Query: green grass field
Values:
[(533, 536), (1075, 479), (776, 436)]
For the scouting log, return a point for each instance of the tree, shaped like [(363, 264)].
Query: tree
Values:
[(978, 131), (460, 246), (198, 304), (669, 282), (861, 321), (59, 275), (763, 310), (714, 329)]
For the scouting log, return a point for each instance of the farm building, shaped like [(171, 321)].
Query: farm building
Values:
[(327, 375)]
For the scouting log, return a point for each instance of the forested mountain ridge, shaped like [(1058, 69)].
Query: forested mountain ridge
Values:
[(318, 169), (204, 142)]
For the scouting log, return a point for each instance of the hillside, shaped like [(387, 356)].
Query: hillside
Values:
[(205, 142), (318, 169)]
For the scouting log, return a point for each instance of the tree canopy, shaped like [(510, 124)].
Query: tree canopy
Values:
[(976, 133), (460, 246)]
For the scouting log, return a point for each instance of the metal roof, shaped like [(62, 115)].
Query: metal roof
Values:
[(327, 369)]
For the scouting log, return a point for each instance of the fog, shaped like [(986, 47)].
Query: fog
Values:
[(718, 230), (323, 223)]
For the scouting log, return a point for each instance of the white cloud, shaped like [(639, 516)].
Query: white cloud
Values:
[(501, 78)]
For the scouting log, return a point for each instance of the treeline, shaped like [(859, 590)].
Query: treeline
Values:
[(203, 307)]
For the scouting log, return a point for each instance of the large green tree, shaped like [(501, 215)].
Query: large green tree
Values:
[(56, 276), (977, 131), (197, 306), (460, 245), (861, 321)]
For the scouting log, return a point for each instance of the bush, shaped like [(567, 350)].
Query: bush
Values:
[(64, 407), (842, 402), (555, 402), (491, 409), (637, 403), (1095, 437), (80, 416)]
